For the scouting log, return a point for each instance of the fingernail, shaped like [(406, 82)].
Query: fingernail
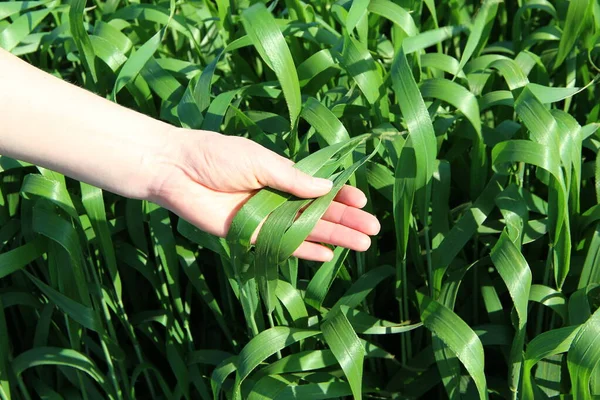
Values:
[(324, 184), (363, 201)]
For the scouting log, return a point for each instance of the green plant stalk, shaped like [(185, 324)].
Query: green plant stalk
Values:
[(23, 389), (272, 325), (75, 345), (112, 333)]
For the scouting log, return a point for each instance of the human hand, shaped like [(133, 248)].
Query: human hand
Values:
[(205, 178)]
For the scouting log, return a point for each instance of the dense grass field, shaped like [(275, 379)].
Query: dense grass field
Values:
[(473, 129)]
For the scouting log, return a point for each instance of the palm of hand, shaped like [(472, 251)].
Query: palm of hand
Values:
[(212, 176)]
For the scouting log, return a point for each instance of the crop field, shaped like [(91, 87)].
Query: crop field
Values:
[(471, 126)]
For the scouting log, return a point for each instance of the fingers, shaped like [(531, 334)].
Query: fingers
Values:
[(351, 196), (339, 235), (313, 252), (279, 173), (350, 231), (341, 225), (352, 218)]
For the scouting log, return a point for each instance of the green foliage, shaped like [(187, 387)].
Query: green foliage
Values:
[(472, 128)]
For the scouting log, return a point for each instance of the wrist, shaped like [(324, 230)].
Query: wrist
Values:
[(168, 160)]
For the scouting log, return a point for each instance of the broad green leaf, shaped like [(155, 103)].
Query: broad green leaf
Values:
[(591, 267), (584, 355), (301, 228), (360, 65), (458, 336), (347, 349), (572, 28), (217, 109), (396, 14), (455, 95), (292, 301), (442, 62), (268, 246), (93, 202), (264, 345), (17, 31), (267, 200), (429, 38), (322, 280), (550, 298), (40, 356), (299, 362), (358, 10), (270, 44), (482, 24), (416, 117), (12, 7), (86, 316), (20, 257), (549, 343), (515, 273), (367, 324), (362, 287), (324, 121), (82, 39), (464, 229), (135, 63)]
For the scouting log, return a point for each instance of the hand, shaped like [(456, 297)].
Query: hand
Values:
[(205, 178)]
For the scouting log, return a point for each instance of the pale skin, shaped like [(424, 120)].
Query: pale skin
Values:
[(204, 177)]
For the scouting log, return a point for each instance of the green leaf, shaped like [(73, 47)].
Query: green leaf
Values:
[(265, 35), (20, 257), (346, 348), (324, 121), (396, 14), (301, 228), (85, 316), (21, 27), (322, 280), (135, 63), (40, 356), (417, 118), (264, 202), (82, 39), (367, 324), (572, 28), (549, 343), (515, 273), (584, 355), (483, 22), (264, 345), (358, 10), (12, 7), (457, 96), (362, 287), (458, 336), (360, 65)]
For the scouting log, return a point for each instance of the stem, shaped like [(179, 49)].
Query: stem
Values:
[(540, 314), (427, 240), (272, 325), (429, 262), (400, 274), (405, 311), (23, 388)]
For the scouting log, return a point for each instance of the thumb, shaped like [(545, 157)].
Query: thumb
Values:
[(279, 173)]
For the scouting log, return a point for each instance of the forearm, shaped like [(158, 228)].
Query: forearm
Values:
[(54, 124)]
